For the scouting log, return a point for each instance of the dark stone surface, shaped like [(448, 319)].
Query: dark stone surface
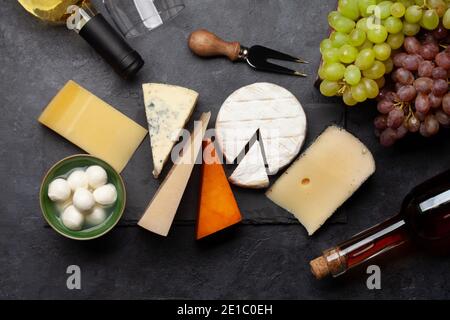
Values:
[(250, 261)]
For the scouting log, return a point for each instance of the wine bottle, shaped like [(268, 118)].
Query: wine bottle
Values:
[(423, 221), (82, 17)]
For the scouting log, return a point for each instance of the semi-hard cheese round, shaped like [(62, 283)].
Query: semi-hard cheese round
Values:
[(272, 110)]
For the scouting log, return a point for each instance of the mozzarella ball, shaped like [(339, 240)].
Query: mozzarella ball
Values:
[(96, 216), (83, 199), (72, 218), (78, 179), (59, 190), (106, 195), (97, 176)]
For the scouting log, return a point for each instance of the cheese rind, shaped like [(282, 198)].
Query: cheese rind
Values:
[(161, 211), (323, 178), (251, 171), (273, 110), (167, 108), (93, 125)]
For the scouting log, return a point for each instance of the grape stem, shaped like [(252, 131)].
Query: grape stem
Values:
[(402, 106), (344, 87)]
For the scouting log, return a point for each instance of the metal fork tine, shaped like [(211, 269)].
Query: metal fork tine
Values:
[(274, 54), (267, 66)]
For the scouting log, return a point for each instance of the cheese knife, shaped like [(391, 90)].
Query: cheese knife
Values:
[(206, 44)]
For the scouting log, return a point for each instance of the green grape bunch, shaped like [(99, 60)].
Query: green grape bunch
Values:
[(357, 55)]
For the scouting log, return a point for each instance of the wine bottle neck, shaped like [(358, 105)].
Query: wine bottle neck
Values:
[(361, 247)]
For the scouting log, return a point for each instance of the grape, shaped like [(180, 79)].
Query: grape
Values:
[(380, 122), (425, 69), (388, 137), (347, 53), (385, 106), (407, 93), (392, 96), (377, 34), (410, 29), (429, 50), (357, 37), (398, 10), (395, 40), (363, 24), (429, 38), (366, 45), (382, 51), (431, 125), (422, 103), (439, 6), (393, 25), (340, 23), (349, 8), (384, 8), (401, 132), (359, 92), (420, 116), (371, 87), (413, 14), (380, 82), (412, 45), (329, 88), (435, 101), (333, 71), (325, 44), (423, 85), (411, 63), (364, 5), (440, 33), (446, 19), (338, 39), (395, 118), (413, 124), (389, 65), (442, 118), (365, 59), (440, 87), (439, 73), (398, 59), (397, 86), (430, 19), (330, 55), (443, 60), (352, 75), (403, 76), (376, 71), (446, 103), (348, 98), (423, 131)]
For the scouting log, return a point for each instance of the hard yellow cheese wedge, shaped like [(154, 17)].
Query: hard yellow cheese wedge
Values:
[(93, 125), (323, 178)]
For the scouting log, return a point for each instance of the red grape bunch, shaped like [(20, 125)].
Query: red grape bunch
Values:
[(418, 100)]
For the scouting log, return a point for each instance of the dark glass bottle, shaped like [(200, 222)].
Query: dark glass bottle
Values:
[(424, 221)]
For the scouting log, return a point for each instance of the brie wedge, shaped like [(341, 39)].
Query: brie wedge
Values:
[(251, 171), (168, 108)]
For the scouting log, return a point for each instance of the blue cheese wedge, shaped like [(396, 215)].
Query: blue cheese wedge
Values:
[(167, 108)]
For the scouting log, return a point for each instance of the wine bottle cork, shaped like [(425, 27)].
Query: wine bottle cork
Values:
[(319, 267)]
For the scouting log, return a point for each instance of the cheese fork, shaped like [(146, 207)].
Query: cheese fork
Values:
[(206, 44)]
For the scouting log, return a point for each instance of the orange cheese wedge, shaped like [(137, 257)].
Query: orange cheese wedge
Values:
[(218, 208)]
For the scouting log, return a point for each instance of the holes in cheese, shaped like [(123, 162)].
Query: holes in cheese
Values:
[(323, 178), (218, 208)]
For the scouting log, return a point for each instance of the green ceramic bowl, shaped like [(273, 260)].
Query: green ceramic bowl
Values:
[(51, 211)]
